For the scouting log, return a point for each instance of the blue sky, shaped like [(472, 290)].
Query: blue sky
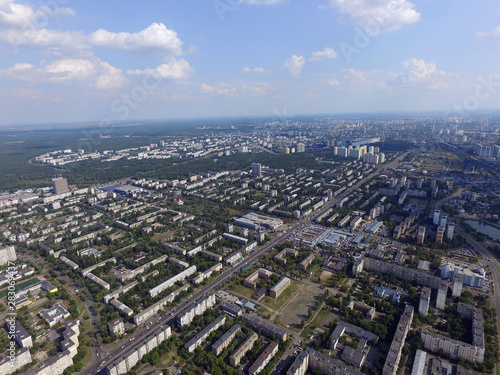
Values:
[(79, 61)]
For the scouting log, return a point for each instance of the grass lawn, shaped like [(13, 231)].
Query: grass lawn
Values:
[(242, 290), (163, 236), (276, 303)]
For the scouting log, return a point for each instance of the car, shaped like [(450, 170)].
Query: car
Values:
[(132, 339)]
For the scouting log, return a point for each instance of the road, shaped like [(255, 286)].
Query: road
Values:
[(98, 363)]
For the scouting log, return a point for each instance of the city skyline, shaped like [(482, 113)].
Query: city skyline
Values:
[(78, 62)]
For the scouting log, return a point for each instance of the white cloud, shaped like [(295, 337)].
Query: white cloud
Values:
[(220, 89), (225, 89), (357, 76), (420, 72), (495, 33), (294, 65), (155, 38), (111, 78), (380, 15), (59, 71), (174, 69), (12, 14), (312, 95), (326, 54), (262, 2), (66, 70), (333, 82), (256, 70), (45, 38), (100, 74), (24, 16)]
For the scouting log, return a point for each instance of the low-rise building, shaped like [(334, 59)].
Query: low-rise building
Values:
[(225, 339), (235, 358), (280, 287), (54, 315), (196, 341), (264, 358)]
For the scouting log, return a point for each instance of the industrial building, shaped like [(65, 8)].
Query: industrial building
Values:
[(60, 185), (469, 278), (256, 222)]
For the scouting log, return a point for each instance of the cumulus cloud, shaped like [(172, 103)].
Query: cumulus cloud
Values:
[(45, 38), (495, 33), (333, 82), (174, 69), (155, 38), (17, 15), (225, 89), (100, 74), (326, 54), (420, 72), (383, 15), (294, 65), (256, 70), (111, 78)]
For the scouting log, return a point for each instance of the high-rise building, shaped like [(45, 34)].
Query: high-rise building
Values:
[(7, 254), (451, 230), (284, 150), (421, 235), (440, 235), (335, 150), (256, 169), (60, 185), (435, 219), (443, 220), (381, 158), (301, 147)]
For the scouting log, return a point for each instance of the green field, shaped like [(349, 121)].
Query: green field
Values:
[(20, 286)]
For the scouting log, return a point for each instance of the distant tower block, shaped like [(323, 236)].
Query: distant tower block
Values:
[(458, 282), (435, 219), (451, 230), (442, 222), (421, 235), (256, 169), (425, 297), (441, 295), (60, 185), (440, 235)]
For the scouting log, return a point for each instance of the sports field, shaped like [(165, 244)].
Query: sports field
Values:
[(20, 286)]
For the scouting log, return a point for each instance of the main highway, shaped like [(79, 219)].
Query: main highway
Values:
[(106, 357)]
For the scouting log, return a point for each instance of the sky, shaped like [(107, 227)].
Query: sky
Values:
[(73, 61)]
